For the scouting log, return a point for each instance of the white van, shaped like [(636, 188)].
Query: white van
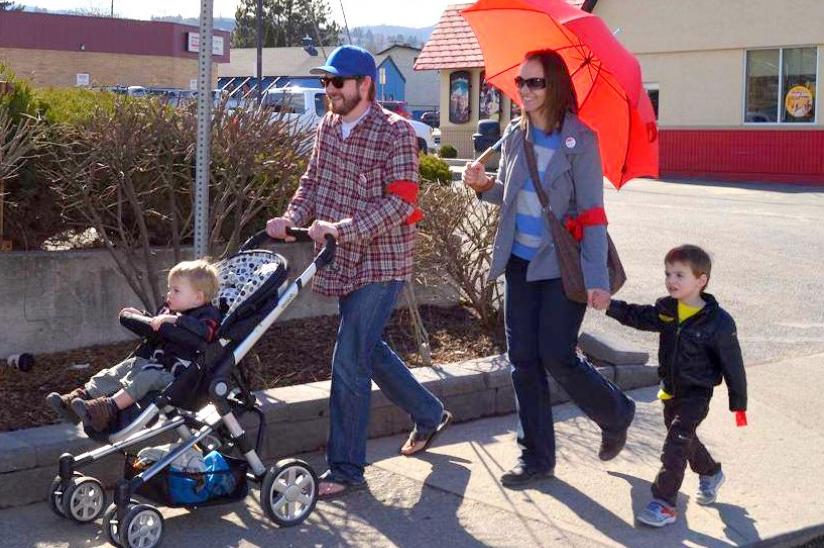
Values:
[(307, 106)]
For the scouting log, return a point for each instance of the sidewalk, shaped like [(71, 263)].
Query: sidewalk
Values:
[(451, 497)]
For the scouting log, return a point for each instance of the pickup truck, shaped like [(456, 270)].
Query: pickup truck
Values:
[(306, 106)]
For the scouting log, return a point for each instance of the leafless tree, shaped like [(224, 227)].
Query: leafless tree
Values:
[(128, 174)]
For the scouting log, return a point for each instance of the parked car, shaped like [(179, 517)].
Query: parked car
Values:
[(431, 118), (302, 106), (398, 107), (306, 106)]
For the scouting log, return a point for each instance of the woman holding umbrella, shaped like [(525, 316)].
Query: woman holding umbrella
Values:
[(542, 324)]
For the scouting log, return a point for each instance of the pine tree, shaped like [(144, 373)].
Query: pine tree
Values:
[(285, 23), (9, 6)]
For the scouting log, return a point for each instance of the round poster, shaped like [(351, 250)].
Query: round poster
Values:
[(799, 102)]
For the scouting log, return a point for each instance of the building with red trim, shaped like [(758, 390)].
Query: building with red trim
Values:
[(735, 83), (53, 50)]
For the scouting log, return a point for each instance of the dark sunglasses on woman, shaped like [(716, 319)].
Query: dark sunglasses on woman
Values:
[(531, 83), (337, 81)]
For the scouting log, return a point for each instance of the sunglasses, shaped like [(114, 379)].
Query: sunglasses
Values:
[(338, 81), (531, 83)]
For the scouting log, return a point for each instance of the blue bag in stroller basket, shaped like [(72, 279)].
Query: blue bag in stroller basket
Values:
[(217, 480)]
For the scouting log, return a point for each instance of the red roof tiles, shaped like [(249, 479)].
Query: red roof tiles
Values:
[(453, 44)]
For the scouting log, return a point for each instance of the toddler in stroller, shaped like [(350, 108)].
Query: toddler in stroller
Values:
[(172, 340), (202, 406)]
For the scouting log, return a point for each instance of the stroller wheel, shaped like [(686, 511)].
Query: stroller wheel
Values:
[(84, 499), (289, 492), (56, 495), (111, 526), (142, 527)]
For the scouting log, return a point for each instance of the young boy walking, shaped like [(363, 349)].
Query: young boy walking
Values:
[(185, 323), (698, 347)]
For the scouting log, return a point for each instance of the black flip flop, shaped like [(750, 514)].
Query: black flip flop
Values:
[(414, 437)]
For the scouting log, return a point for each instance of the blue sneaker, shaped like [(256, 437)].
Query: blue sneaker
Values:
[(708, 488), (657, 514)]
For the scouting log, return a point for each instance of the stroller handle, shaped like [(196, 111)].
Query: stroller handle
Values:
[(325, 257)]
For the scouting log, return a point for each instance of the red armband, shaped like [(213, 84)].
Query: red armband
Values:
[(590, 217), (408, 192)]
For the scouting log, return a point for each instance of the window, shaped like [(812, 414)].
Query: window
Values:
[(652, 92), (320, 104), (288, 103), (781, 85)]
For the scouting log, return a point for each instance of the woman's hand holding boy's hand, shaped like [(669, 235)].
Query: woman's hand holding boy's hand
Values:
[(157, 321), (598, 298), (130, 310), (475, 178)]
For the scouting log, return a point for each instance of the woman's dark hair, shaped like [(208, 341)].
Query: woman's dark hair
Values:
[(560, 93)]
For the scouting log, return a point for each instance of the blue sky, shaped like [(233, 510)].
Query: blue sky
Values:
[(358, 12)]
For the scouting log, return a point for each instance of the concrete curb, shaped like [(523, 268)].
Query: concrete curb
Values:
[(297, 421)]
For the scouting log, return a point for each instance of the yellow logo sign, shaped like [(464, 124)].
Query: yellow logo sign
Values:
[(799, 102)]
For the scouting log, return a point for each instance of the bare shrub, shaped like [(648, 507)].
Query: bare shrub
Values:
[(128, 174), (455, 245)]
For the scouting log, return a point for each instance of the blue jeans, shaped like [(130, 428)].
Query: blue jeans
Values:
[(360, 356), (541, 335)]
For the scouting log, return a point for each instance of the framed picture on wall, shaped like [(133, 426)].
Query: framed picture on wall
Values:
[(489, 101), (459, 85)]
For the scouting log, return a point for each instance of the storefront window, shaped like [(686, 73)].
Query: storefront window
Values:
[(781, 85), (798, 71), (762, 86)]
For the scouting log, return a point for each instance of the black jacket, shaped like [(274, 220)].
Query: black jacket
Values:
[(183, 338), (695, 354)]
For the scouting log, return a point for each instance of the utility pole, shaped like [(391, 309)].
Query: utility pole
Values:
[(204, 131), (259, 72), (112, 8)]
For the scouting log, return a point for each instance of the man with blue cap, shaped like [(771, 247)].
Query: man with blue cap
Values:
[(361, 187)]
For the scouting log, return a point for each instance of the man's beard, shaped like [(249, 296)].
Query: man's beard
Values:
[(349, 103)]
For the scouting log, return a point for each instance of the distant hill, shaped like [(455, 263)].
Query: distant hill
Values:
[(377, 37), (222, 23)]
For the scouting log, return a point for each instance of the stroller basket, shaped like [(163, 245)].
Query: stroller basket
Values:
[(177, 488)]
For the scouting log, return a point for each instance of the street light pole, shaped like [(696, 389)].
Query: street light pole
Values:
[(204, 131), (259, 72)]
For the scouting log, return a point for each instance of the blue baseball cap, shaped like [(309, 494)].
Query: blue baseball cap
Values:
[(348, 61)]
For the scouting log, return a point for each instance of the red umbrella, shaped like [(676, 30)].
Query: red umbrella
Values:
[(607, 77)]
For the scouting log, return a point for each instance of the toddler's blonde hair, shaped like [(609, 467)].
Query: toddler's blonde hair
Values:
[(201, 274)]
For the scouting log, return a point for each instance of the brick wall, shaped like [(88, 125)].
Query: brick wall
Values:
[(52, 68)]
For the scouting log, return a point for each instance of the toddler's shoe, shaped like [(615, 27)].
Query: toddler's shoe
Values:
[(61, 404), (657, 514), (708, 488), (96, 413)]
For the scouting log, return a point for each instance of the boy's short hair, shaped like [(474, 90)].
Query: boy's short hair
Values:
[(201, 274), (696, 258)]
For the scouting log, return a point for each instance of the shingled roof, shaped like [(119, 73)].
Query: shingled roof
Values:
[(453, 44)]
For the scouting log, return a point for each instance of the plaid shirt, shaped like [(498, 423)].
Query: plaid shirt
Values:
[(345, 183)]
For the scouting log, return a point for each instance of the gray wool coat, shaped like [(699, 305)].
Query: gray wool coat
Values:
[(575, 165)]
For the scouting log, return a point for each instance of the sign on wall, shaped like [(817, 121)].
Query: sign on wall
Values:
[(193, 43), (459, 84), (489, 101), (82, 79)]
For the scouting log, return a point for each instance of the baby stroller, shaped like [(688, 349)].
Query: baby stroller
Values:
[(202, 405)]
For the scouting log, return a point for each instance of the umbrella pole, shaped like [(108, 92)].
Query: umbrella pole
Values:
[(487, 154)]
